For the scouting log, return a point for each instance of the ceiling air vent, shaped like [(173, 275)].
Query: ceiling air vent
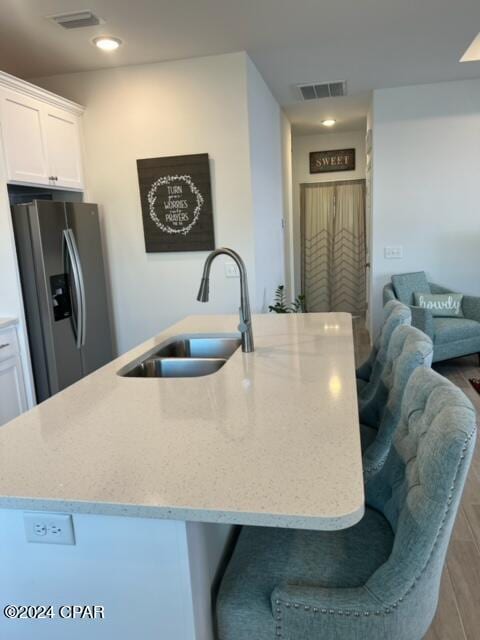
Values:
[(76, 20), (322, 90)]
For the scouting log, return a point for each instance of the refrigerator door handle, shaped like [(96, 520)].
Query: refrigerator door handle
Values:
[(83, 300), (80, 324), (68, 255)]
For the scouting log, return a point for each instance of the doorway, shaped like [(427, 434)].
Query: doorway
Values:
[(333, 249)]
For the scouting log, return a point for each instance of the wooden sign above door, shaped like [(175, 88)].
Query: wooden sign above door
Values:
[(334, 160)]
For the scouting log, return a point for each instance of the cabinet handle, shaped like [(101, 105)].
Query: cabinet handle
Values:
[(4, 346), (53, 177)]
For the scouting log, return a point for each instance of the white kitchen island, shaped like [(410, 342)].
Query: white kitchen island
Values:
[(155, 472)]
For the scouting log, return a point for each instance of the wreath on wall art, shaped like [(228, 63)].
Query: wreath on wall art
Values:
[(152, 198), (176, 200)]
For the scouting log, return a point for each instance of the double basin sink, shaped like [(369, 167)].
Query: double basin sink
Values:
[(184, 357)]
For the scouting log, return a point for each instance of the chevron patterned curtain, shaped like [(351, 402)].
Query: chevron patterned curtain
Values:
[(333, 246)]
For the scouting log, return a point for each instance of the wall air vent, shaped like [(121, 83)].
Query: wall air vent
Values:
[(322, 90), (76, 20)]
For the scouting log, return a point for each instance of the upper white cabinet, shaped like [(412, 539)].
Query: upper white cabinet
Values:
[(63, 148), (24, 148), (40, 135)]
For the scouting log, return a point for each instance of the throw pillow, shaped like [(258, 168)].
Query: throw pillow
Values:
[(448, 305), (406, 284)]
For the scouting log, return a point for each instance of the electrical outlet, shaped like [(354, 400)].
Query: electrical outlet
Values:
[(49, 528), (39, 529), (231, 270), (393, 253)]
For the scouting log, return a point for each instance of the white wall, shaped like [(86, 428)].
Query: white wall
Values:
[(301, 148), (182, 107), (426, 191), (265, 135)]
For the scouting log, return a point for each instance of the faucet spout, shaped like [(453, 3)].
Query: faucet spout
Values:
[(203, 291), (245, 325)]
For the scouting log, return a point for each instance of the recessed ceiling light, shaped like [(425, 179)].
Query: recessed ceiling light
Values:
[(329, 122), (107, 43), (473, 51)]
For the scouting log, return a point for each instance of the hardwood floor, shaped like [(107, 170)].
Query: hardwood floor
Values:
[(458, 613)]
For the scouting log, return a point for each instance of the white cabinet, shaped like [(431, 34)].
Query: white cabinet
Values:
[(41, 141), (63, 148), (23, 142), (12, 387), (12, 392)]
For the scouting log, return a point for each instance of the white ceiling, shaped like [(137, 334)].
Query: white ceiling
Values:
[(369, 43)]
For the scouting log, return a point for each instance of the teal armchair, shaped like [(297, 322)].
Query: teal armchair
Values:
[(376, 580), (452, 337)]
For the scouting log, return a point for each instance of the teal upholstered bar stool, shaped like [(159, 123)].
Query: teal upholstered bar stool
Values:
[(364, 371), (409, 349), (377, 580), (395, 314)]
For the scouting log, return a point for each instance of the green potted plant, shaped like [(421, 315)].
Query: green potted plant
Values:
[(280, 302)]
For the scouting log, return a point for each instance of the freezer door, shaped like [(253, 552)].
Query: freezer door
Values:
[(47, 222), (95, 332)]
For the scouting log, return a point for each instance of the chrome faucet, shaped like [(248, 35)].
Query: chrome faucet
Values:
[(245, 326)]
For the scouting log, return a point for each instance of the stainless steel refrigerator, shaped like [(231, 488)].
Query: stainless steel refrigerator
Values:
[(63, 281)]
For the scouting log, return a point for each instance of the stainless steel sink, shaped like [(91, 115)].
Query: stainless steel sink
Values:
[(197, 347), (184, 357), (176, 367)]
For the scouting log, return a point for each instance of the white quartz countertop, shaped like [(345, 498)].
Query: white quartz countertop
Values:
[(7, 322), (271, 439)]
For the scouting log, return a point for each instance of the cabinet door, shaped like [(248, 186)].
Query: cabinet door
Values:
[(23, 141), (63, 148), (12, 391)]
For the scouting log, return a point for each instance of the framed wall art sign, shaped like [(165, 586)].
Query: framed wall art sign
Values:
[(334, 160), (176, 202)]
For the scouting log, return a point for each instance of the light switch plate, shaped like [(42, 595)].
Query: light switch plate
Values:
[(231, 270), (393, 253), (48, 528)]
